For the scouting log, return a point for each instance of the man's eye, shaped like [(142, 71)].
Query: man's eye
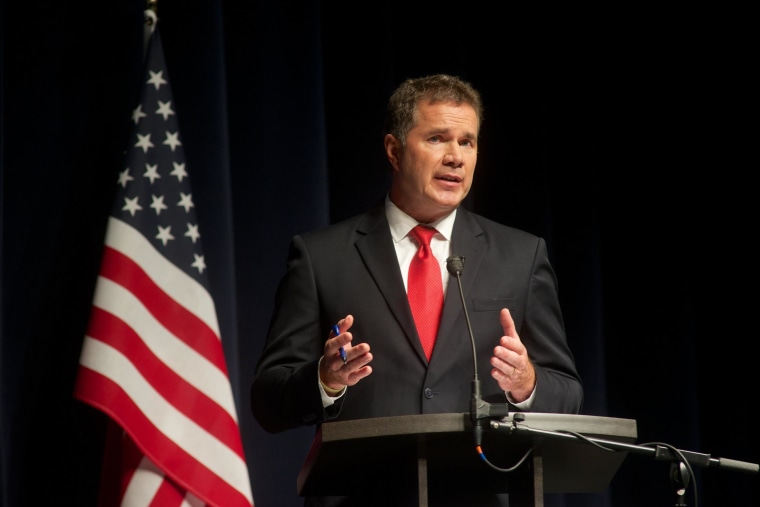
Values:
[(467, 143), (435, 139)]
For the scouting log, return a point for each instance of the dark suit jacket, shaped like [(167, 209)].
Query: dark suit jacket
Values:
[(351, 268)]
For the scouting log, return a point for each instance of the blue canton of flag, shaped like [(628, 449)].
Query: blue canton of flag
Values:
[(155, 195)]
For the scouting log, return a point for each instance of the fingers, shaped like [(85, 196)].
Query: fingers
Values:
[(511, 340), (507, 323), (342, 363), (339, 339), (342, 326), (512, 368), (335, 373), (504, 364), (504, 378)]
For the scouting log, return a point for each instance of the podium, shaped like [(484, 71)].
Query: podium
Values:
[(434, 456)]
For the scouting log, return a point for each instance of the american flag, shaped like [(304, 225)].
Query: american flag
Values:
[(152, 357)]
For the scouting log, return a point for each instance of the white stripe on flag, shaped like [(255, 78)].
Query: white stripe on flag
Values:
[(172, 280), (193, 439), (143, 485), (176, 354)]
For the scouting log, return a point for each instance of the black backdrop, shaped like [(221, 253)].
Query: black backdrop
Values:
[(626, 138)]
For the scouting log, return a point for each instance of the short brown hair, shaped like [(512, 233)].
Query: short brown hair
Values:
[(402, 106)]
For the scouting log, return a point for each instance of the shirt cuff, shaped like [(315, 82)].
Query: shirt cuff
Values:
[(522, 405)]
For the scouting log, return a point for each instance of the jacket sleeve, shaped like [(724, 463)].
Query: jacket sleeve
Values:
[(285, 393), (558, 385)]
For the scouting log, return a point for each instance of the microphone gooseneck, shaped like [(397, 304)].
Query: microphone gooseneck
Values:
[(455, 266), (479, 409)]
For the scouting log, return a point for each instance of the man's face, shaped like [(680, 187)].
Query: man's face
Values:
[(433, 173)]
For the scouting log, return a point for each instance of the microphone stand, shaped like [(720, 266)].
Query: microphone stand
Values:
[(681, 461), (479, 409)]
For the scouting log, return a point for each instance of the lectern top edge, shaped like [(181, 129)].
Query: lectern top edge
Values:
[(459, 422)]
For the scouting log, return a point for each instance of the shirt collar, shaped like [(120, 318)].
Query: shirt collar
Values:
[(401, 223)]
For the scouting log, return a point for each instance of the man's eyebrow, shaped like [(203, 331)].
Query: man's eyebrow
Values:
[(468, 135), (447, 130)]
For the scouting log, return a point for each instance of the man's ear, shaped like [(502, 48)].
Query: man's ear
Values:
[(392, 150)]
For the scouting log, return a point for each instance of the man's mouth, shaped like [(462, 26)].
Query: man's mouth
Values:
[(450, 177)]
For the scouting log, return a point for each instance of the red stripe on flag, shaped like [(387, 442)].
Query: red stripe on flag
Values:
[(177, 319), (186, 398), (130, 460), (169, 494), (105, 395)]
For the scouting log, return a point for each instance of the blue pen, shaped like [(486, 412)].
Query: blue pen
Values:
[(336, 332)]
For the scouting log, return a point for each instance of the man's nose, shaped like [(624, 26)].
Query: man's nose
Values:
[(453, 156)]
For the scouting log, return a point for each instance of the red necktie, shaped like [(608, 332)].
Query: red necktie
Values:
[(425, 289)]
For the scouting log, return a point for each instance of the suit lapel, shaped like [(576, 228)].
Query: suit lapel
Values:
[(468, 241), (375, 246)]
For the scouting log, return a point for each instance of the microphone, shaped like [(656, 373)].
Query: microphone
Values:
[(479, 409)]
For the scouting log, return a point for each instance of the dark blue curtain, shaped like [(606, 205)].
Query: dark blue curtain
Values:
[(627, 142)]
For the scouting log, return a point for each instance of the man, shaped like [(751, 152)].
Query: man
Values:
[(355, 274)]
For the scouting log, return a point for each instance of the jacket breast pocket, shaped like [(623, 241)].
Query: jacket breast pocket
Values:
[(493, 305)]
